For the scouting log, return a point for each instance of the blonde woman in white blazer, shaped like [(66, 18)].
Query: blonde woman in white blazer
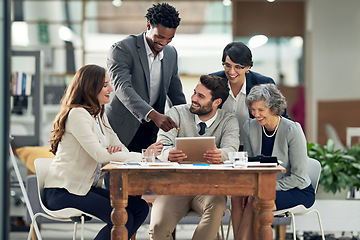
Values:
[(82, 141)]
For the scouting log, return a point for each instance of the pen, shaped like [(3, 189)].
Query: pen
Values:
[(167, 144), (201, 164)]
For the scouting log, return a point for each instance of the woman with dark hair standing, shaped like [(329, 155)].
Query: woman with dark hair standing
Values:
[(269, 134), (82, 140), (237, 61)]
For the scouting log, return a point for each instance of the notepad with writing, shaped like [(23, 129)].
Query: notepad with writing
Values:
[(194, 147)]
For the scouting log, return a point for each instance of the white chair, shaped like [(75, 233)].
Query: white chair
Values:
[(65, 215), (228, 208), (332, 134), (314, 170)]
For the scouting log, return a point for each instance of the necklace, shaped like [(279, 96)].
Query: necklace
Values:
[(269, 136)]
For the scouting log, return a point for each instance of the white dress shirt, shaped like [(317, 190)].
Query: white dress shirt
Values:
[(207, 123), (155, 72), (237, 106)]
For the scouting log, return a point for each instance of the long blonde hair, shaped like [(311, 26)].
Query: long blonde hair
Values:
[(81, 92)]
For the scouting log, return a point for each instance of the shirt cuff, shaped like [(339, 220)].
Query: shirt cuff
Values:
[(146, 116)]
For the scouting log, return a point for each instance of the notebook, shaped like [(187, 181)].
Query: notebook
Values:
[(194, 147)]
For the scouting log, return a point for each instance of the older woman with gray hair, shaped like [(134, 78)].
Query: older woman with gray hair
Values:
[(269, 134)]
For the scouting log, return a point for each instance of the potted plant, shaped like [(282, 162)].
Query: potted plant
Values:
[(355, 152), (339, 169)]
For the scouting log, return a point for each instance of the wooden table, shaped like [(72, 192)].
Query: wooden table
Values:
[(179, 180)]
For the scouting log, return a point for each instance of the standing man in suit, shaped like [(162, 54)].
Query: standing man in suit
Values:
[(237, 61), (144, 71)]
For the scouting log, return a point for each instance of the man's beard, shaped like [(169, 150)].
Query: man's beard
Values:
[(203, 110)]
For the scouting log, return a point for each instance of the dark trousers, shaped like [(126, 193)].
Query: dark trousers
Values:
[(144, 137), (295, 196), (97, 203)]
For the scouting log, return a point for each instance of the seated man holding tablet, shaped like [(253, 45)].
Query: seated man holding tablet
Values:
[(194, 148), (167, 211)]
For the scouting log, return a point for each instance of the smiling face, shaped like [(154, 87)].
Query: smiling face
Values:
[(235, 72), (264, 115), (202, 103), (104, 95), (158, 37)]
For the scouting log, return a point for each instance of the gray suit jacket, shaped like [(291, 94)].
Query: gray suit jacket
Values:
[(128, 70), (289, 147)]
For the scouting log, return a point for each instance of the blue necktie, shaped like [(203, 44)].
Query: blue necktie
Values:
[(202, 128)]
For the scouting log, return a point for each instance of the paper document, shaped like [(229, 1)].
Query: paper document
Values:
[(160, 164), (258, 164)]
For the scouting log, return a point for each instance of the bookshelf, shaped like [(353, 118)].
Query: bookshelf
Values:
[(26, 98)]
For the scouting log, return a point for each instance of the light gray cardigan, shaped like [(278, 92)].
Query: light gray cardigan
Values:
[(225, 128), (289, 147)]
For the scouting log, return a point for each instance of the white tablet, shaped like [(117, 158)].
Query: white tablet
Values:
[(194, 147)]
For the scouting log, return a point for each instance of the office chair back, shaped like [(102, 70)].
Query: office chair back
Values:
[(42, 166), (314, 171)]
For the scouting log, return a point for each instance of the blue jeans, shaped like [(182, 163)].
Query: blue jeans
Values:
[(97, 203)]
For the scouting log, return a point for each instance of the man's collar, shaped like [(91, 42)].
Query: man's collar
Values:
[(148, 49), (208, 122)]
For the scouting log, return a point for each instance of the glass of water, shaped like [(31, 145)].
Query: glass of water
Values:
[(148, 155), (240, 159)]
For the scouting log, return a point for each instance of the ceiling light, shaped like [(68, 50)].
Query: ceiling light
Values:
[(296, 41), (271, 0), (117, 3), (66, 34), (257, 41), (20, 34), (226, 2)]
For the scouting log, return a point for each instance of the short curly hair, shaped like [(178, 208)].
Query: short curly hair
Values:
[(164, 14), (271, 96)]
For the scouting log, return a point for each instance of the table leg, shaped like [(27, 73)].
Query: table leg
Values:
[(264, 205), (263, 219), (119, 201)]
